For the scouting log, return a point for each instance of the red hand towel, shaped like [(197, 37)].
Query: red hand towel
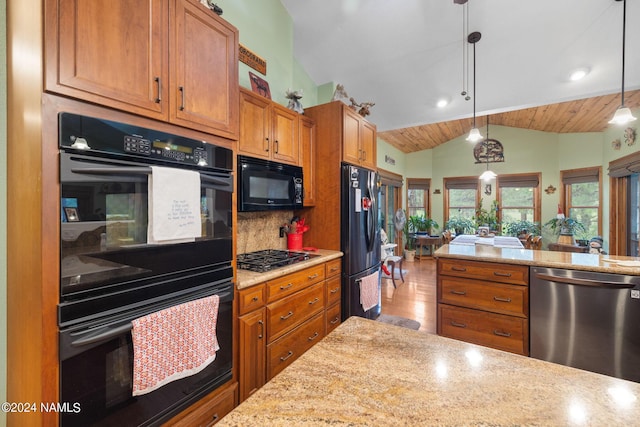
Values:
[(369, 292), (174, 343)]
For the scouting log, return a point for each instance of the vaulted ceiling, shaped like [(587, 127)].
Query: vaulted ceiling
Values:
[(404, 56)]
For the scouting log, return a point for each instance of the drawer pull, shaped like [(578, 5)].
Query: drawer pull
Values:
[(214, 420), (313, 337), (286, 316), (254, 299), (334, 321), (501, 334), (261, 323), (458, 325), (314, 301), (459, 292), (334, 269), (454, 268), (497, 273), (289, 354), (502, 299), (282, 288), (333, 291), (313, 276)]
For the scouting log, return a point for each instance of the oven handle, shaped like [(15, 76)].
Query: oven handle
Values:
[(226, 181), (109, 331)]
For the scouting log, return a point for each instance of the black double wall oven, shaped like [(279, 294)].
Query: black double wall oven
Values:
[(111, 274)]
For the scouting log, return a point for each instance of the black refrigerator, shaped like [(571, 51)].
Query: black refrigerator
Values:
[(359, 237)]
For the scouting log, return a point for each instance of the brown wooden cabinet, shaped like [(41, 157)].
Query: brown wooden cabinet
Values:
[(484, 303), (267, 129), (359, 139), (170, 60), (307, 131), (208, 410), (281, 319)]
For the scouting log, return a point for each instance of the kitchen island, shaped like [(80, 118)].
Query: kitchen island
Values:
[(367, 373)]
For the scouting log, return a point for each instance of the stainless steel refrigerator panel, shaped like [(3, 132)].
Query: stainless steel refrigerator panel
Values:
[(351, 305), (586, 320)]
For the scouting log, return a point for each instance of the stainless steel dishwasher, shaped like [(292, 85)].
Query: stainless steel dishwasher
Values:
[(586, 320)]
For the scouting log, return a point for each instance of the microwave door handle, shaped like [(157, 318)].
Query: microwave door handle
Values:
[(106, 335)]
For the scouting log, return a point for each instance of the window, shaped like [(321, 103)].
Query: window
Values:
[(518, 198), (461, 197), (582, 193), (418, 197), (633, 240)]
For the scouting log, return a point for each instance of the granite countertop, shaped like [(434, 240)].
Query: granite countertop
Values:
[(246, 278), (367, 373), (538, 258)]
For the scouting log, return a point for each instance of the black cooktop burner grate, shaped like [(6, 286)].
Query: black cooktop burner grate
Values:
[(269, 259)]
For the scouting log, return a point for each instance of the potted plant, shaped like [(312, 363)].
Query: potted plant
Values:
[(487, 218), (461, 225), (422, 224), (409, 241), (520, 228), (566, 228)]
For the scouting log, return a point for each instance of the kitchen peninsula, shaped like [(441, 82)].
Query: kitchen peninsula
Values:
[(367, 373)]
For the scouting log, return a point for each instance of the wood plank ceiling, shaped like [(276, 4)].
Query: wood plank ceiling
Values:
[(583, 115)]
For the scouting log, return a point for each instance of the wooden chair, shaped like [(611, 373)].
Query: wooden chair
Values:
[(446, 237), (536, 242)]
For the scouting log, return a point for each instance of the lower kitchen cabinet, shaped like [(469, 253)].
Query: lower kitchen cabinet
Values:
[(282, 318), (484, 303), (208, 410)]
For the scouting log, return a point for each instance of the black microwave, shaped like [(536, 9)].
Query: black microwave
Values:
[(265, 185)]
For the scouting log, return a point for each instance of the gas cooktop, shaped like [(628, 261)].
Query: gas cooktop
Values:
[(269, 259)]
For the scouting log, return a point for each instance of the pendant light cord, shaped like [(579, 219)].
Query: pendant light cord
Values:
[(474, 84), (624, 24)]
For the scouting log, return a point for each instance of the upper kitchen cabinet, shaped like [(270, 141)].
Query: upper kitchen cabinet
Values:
[(170, 60), (267, 129), (350, 132)]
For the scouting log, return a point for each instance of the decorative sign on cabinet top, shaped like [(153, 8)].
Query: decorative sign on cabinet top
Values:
[(252, 60)]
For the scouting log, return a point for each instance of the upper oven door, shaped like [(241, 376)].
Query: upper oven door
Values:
[(104, 221), (264, 185)]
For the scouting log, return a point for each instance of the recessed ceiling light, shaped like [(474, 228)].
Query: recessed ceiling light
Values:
[(579, 74), (442, 103)]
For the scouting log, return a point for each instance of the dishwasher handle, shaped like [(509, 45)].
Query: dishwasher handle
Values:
[(584, 282)]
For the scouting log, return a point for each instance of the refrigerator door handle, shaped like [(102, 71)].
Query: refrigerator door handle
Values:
[(370, 217)]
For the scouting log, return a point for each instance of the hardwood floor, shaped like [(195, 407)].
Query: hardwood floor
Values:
[(416, 297)]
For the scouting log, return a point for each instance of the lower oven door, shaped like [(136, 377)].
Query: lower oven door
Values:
[(96, 370)]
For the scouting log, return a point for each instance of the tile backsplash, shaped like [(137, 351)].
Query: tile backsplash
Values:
[(261, 230)]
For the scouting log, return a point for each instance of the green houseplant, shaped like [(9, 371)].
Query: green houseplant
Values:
[(487, 218), (461, 225), (518, 228), (420, 223), (565, 228)]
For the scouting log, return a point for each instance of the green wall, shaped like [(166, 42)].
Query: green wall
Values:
[(3, 206)]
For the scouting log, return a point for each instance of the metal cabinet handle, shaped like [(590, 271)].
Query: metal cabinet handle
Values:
[(181, 89), (159, 88), (254, 299), (214, 420), (285, 317), (334, 269), (497, 273), (289, 354), (313, 337), (454, 268), (364, 155), (313, 276), (277, 145), (458, 292), (501, 334), (333, 291), (261, 323), (458, 325), (334, 321), (267, 139), (315, 300), (500, 299), (285, 287)]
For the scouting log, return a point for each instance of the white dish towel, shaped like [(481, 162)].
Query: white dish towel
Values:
[(369, 291)]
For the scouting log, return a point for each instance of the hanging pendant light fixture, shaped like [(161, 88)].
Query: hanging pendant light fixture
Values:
[(623, 114), (487, 175), (474, 135)]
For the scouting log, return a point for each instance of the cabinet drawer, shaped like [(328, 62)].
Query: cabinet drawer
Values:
[(334, 267), (333, 286), (284, 351), (479, 327), (333, 317), (504, 273), (251, 299), (291, 283), (495, 297), (209, 410), (286, 314)]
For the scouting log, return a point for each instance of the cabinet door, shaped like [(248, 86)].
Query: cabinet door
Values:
[(351, 137), (113, 53), (204, 70), (284, 134), (255, 125), (252, 351), (307, 130), (368, 145)]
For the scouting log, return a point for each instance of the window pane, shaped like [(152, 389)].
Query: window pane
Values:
[(515, 196), (416, 198), (585, 194), (633, 220), (516, 215), (462, 198), (462, 213)]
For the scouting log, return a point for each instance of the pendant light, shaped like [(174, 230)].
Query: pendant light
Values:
[(487, 175), (623, 114), (474, 135)]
